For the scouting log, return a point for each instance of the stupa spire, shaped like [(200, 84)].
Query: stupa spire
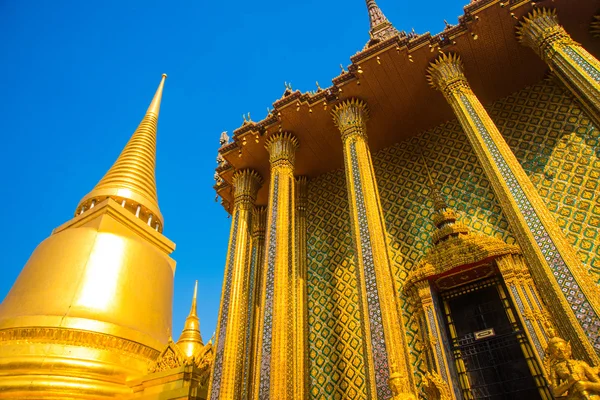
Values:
[(190, 340), (131, 180)]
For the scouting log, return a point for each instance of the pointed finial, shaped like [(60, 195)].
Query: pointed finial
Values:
[(131, 180), (381, 28), (376, 16), (193, 310), (190, 341), (155, 104)]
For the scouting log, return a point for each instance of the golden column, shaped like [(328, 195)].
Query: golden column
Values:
[(575, 67), (387, 357), (259, 226), (232, 329), (301, 301), (563, 279), (276, 341)]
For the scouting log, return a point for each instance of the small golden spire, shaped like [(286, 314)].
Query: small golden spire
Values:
[(439, 203), (131, 180), (190, 341)]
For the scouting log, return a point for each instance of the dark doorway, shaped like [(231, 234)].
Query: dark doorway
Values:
[(489, 345)]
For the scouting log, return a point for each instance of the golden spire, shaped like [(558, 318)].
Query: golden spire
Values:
[(131, 181), (439, 203), (444, 217), (190, 340)]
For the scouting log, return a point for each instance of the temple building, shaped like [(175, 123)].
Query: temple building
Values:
[(426, 226)]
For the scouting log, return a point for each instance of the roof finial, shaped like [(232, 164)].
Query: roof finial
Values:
[(190, 340), (131, 180), (381, 28), (376, 16)]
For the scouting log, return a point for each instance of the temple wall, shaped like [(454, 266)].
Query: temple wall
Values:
[(558, 148)]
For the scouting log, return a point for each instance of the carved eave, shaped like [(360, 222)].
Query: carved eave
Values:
[(391, 77), (171, 357), (462, 251)]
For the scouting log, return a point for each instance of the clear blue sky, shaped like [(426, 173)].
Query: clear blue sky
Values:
[(77, 76)]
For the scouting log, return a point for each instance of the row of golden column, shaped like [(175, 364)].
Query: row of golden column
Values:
[(261, 347)]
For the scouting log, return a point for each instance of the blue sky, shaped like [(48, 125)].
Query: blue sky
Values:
[(77, 77)]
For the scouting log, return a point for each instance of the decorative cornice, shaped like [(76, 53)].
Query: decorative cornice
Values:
[(282, 148), (74, 337)]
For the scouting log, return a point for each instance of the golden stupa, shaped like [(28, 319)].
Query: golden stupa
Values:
[(87, 335)]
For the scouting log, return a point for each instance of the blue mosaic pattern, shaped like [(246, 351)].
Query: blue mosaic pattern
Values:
[(438, 347), (380, 361), (218, 368), (536, 341), (249, 321), (265, 362), (570, 288), (583, 63)]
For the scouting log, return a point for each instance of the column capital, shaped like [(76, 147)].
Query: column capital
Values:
[(282, 148), (446, 74), (246, 183), (541, 31), (350, 116), (259, 222)]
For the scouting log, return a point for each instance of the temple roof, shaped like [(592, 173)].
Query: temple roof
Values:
[(390, 76)]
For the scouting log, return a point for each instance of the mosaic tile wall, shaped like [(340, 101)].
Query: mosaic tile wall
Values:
[(558, 148), (334, 333)]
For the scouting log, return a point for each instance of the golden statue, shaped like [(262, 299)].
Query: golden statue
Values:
[(573, 378), (398, 393)]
